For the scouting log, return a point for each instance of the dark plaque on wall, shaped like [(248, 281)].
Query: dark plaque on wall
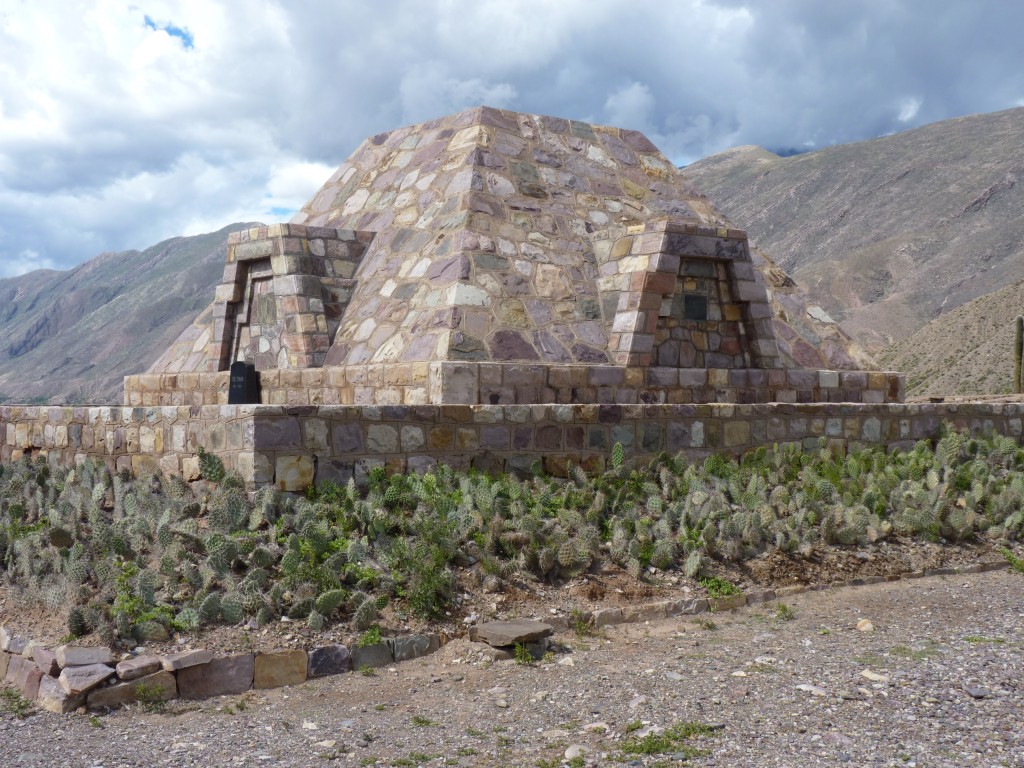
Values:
[(244, 387)]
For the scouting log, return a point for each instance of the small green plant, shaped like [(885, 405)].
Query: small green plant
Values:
[(784, 613), (422, 722), (95, 722), (367, 671), (369, 637), (1016, 563), (150, 696), (522, 655), (635, 725), (707, 624), (577, 762), (718, 587), (474, 732), (12, 701)]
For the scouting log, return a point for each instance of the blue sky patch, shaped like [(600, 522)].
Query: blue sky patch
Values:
[(282, 212), (186, 37)]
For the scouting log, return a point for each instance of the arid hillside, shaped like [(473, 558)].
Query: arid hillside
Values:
[(892, 233), (71, 337)]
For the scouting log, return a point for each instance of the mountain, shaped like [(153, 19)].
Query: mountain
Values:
[(71, 336), (966, 351), (892, 233)]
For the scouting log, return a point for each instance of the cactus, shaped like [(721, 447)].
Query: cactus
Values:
[(209, 608), (187, 619), (78, 623), (1018, 353), (328, 602), (232, 609)]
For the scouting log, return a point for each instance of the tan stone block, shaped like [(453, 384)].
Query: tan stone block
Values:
[(281, 668), (143, 464), (293, 473), (718, 377), (466, 439), (737, 433)]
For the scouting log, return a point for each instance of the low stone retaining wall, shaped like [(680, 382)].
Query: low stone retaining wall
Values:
[(489, 383), (291, 447), (69, 678)]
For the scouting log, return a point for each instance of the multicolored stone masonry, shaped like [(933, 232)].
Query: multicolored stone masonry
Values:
[(493, 257)]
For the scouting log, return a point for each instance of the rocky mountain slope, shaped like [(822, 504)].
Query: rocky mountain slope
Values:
[(70, 337), (966, 351), (894, 232)]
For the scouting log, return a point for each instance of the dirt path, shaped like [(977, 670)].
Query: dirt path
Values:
[(944, 687)]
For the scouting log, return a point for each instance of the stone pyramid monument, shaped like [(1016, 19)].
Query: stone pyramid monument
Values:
[(494, 257)]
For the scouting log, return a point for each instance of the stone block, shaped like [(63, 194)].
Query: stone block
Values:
[(80, 656), (377, 655), (75, 680), (414, 646), (274, 670), (25, 676), (160, 686), (607, 617), (223, 676), (46, 660), (11, 642), (329, 660), (53, 698), (5, 660), (499, 633), (175, 661), (729, 603), (294, 473), (634, 614), (140, 666)]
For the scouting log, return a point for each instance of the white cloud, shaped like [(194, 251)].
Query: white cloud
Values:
[(23, 263), (116, 132), (909, 107)]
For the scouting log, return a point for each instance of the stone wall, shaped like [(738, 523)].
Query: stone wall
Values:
[(517, 383), (293, 446), (140, 439)]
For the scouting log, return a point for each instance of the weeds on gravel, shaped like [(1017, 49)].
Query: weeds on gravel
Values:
[(707, 624), (144, 555), (422, 722), (1016, 563), (977, 639), (784, 613), (13, 702), (917, 654), (672, 740)]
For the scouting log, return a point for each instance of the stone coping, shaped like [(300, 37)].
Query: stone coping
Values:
[(70, 678)]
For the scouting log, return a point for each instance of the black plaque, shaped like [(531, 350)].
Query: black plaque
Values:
[(244, 386)]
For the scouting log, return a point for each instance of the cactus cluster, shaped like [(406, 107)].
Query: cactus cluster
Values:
[(145, 556)]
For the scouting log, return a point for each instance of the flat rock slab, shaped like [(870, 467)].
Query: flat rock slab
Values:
[(140, 666), (160, 686), (75, 680), (329, 660), (175, 661), (501, 633), (82, 656), (46, 660), (53, 698), (5, 660), (376, 655), (281, 668), (224, 676), (25, 676)]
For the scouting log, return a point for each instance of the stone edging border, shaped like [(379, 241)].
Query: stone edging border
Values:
[(72, 677)]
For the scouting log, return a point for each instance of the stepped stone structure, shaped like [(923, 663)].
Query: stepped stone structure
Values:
[(491, 257), (492, 289)]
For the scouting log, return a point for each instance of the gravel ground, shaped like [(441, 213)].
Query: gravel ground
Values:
[(938, 682)]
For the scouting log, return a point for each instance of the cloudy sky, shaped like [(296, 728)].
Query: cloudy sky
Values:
[(123, 122)]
